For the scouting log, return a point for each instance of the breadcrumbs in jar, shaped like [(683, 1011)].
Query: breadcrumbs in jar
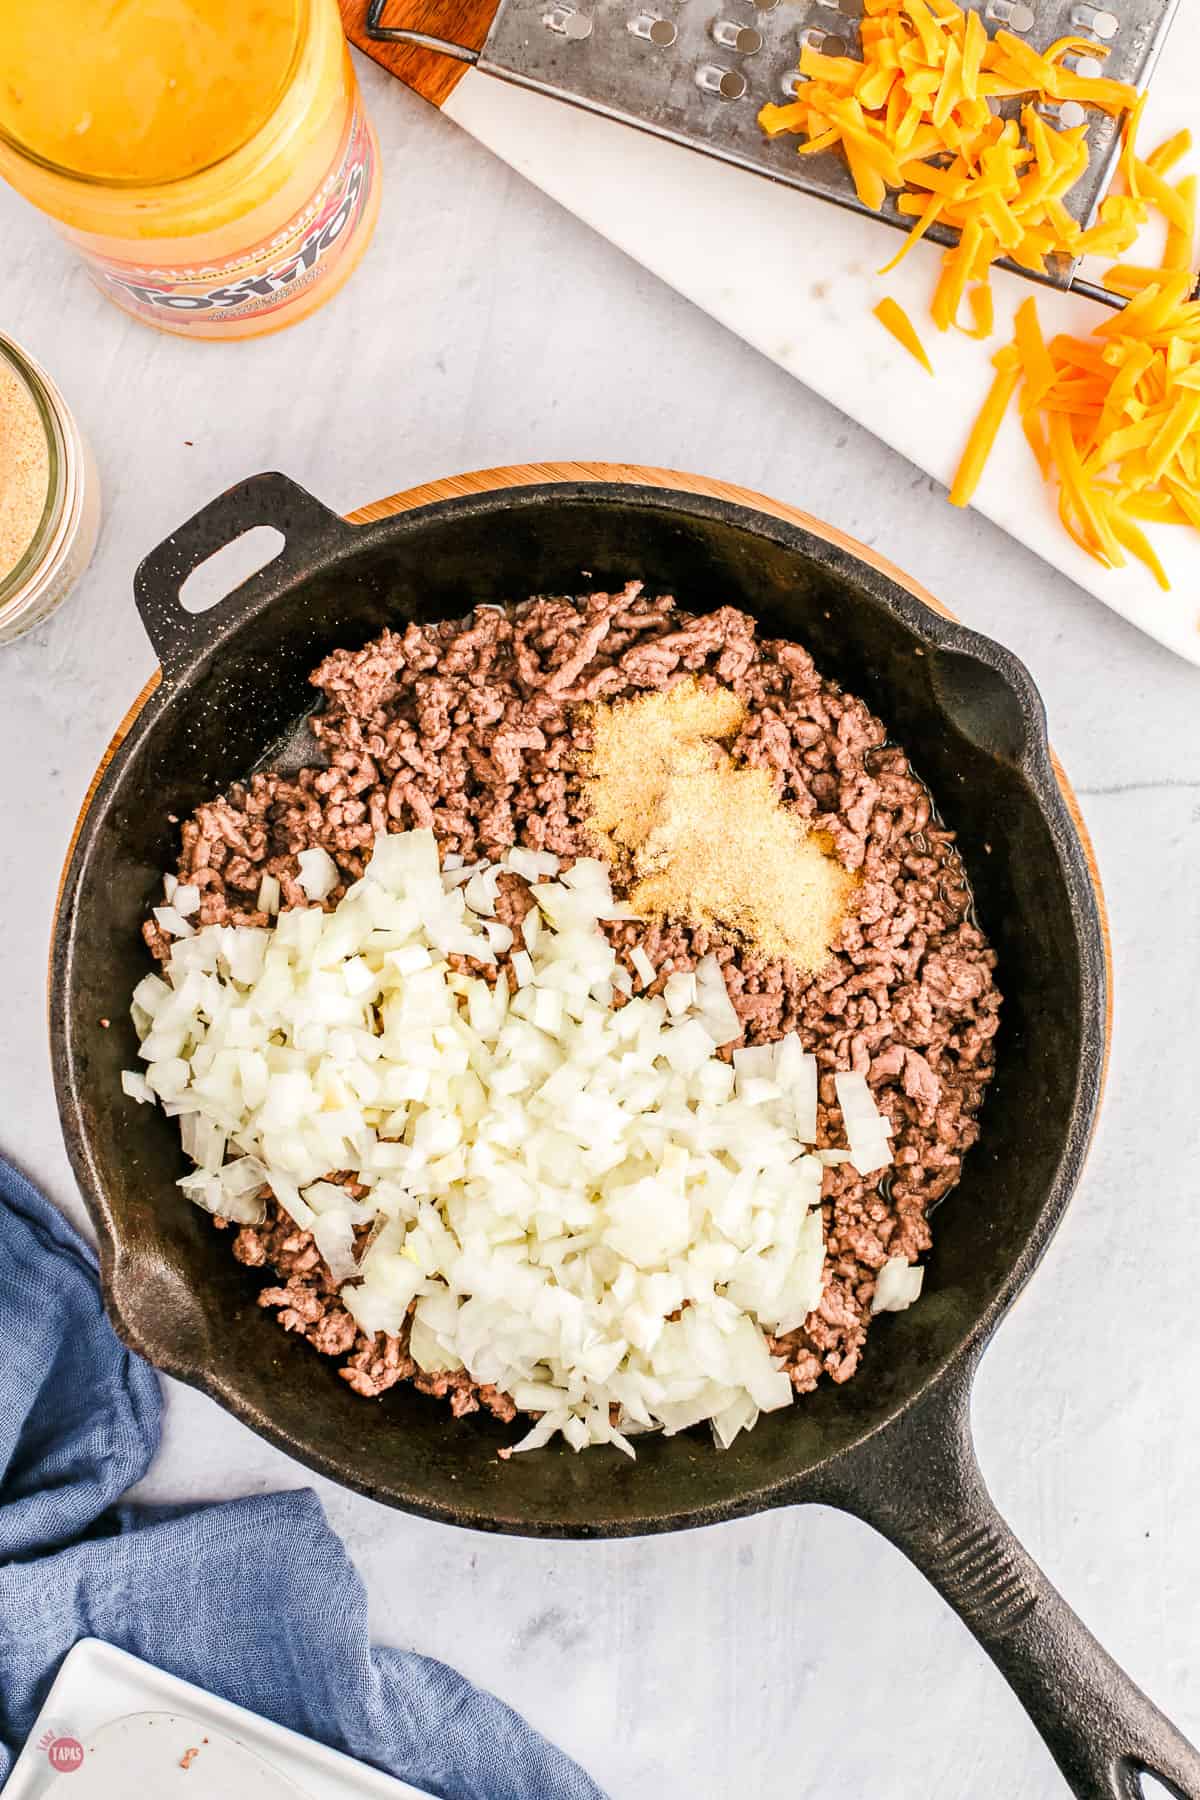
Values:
[(49, 495), (24, 469)]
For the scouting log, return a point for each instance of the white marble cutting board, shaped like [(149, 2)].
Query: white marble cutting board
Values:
[(796, 278)]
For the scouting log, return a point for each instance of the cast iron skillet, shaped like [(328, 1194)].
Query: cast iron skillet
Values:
[(894, 1445)]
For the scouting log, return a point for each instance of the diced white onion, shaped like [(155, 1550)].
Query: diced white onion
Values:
[(172, 922), (318, 873), (333, 1234), (582, 1205), (713, 1002), (186, 899), (897, 1285), (137, 1087), (866, 1127), (533, 865), (679, 992), (643, 966), (796, 1073)]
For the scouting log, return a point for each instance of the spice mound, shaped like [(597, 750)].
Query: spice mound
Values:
[(702, 838), (24, 469)]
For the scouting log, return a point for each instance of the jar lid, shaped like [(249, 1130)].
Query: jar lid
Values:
[(153, 91)]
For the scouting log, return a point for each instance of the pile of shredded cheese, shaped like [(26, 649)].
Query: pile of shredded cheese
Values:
[(918, 114), (1113, 418)]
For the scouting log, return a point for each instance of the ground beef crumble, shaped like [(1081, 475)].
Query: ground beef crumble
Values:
[(472, 729)]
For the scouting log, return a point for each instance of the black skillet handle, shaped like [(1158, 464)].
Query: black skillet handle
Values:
[(310, 532), (919, 1484)]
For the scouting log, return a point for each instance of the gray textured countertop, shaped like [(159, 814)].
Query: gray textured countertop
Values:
[(793, 1656)]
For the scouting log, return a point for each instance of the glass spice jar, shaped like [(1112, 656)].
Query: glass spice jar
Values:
[(49, 495)]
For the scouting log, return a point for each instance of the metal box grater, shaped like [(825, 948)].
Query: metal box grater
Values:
[(698, 71)]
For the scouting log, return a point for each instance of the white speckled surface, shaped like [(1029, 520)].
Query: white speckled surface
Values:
[(793, 1656)]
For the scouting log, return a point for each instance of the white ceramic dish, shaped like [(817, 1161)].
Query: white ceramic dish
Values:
[(118, 1726)]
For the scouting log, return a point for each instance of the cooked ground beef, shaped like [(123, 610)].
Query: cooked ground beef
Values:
[(473, 729)]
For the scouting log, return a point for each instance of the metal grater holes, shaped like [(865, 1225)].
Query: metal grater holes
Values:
[(1012, 13), (1065, 115), (655, 30), (567, 21), (1096, 20), (727, 84), (744, 40)]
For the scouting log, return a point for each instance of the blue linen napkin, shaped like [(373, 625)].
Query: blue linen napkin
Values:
[(253, 1599)]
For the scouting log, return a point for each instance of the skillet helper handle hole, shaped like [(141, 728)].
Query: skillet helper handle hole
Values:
[(185, 618), (214, 579), (920, 1485)]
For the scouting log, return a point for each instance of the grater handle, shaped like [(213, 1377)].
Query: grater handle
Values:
[(421, 40), (454, 28)]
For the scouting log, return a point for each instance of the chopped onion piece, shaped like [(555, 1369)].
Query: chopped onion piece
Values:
[(333, 1234), (715, 1006), (643, 966), (137, 1087), (318, 873), (897, 1285), (150, 994), (867, 1128), (533, 865), (172, 922), (796, 1073), (499, 936), (481, 890), (679, 992)]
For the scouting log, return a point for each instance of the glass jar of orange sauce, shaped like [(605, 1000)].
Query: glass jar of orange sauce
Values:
[(210, 160)]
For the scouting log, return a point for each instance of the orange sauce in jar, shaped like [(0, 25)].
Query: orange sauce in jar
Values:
[(209, 159)]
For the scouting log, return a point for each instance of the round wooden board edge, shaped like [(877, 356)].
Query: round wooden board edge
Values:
[(488, 481)]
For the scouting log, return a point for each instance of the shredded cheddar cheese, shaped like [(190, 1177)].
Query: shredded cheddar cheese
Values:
[(1112, 419), (893, 318), (916, 116)]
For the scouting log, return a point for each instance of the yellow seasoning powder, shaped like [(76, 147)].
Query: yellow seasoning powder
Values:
[(702, 838), (24, 468)]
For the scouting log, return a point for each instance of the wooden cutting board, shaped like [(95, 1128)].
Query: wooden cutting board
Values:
[(796, 278)]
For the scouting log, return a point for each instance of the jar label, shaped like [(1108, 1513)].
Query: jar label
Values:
[(267, 277)]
